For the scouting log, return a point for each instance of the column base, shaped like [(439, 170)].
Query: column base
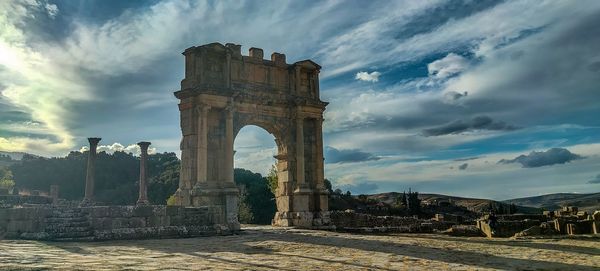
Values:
[(182, 197), (222, 200), (142, 202), (86, 203), (301, 219)]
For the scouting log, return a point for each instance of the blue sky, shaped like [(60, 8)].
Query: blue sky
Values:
[(496, 99)]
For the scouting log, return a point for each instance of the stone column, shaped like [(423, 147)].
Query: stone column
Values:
[(319, 154), (54, 193), (88, 199), (321, 193), (229, 144), (202, 157), (143, 198), (300, 181)]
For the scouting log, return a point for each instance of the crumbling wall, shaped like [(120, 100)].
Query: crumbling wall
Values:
[(358, 222), (45, 222)]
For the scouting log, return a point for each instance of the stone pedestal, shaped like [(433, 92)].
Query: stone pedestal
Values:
[(222, 201)]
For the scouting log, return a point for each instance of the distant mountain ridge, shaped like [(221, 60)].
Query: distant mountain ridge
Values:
[(473, 204), (586, 202)]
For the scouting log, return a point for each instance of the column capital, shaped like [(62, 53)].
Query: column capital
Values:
[(203, 108), (94, 140), (144, 145)]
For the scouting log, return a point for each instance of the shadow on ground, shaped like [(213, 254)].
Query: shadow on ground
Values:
[(242, 243)]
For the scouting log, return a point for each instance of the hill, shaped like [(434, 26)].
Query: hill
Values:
[(472, 204), (585, 202), (14, 155)]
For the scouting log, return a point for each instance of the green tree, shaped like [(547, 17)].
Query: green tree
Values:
[(272, 179), (328, 186), (257, 202), (6, 179)]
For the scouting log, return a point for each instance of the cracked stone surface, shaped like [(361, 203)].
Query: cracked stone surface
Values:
[(267, 248)]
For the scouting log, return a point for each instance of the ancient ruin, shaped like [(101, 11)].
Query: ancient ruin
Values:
[(224, 91)]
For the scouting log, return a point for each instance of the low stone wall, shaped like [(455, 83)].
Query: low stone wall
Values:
[(358, 222), (17, 200), (108, 222)]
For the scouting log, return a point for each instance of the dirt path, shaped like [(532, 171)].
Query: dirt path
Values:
[(264, 248)]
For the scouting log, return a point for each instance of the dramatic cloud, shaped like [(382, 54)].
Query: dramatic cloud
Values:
[(448, 66), (333, 155), (544, 158), (477, 123), (595, 179), (435, 81), (366, 76)]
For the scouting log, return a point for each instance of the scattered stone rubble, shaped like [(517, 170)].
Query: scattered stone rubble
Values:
[(568, 220)]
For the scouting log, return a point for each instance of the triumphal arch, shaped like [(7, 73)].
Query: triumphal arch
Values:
[(224, 91)]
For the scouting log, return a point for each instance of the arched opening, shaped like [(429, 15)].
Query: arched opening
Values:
[(254, 161)]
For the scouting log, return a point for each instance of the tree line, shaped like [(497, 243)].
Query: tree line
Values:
[(117, 176)]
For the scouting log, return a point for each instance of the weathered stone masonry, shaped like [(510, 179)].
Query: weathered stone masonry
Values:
[(97, 223), (224, 91)]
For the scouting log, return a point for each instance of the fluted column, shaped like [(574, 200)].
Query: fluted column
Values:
[(202, 157), (143, 197), (88, 199), (319, 154), (229, 144), (300, 181)]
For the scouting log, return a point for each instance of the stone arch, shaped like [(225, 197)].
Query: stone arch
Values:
[(224, 91)]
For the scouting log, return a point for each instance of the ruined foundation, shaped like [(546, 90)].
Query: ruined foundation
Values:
[(99, 223)]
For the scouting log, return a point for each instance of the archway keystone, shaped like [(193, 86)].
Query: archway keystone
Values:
[(224, 91)]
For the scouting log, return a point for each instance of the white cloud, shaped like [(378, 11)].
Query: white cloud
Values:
[(498, 181), (448, 66), (133, 148), (52, 10), (366, 76)]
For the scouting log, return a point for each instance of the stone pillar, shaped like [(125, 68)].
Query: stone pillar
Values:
[(301, 217), (229, 144), (88, 199), (143, 198), (202, 158), (322, 192), (300, 181), (54, 193)]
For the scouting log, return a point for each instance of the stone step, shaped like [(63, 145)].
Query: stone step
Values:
[(72, 234), (58, 220), (75, 239), (68, 224), (68, 229), (60, 215)]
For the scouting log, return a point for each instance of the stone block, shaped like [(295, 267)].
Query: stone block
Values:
[(278, 59), (143, 211), (176, 220), (256, 53), (159, 210), (99, 211), (121, 211), (173, 210), (596, 216)]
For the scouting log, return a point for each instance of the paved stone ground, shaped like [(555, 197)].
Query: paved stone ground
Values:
[(265, 248)]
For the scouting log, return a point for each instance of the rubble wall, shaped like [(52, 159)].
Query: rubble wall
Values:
[(359, 222), (108, 222)]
